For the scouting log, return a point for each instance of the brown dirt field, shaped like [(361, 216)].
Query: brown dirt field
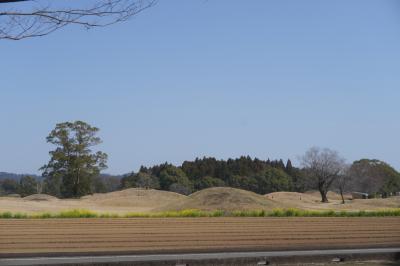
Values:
[(165, 235)]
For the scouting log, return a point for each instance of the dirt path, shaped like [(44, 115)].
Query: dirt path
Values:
[(158, 235)]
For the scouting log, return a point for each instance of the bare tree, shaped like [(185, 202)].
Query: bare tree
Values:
[(25, 18), (323, 167), (343, 181), (39, 186)]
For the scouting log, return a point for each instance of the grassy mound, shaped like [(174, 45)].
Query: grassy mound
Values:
[(40, 197), (222, 198), (135, 197), (212, 199), (12, 196), (331, 195)]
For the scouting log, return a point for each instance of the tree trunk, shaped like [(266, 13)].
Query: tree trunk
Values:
[(324, 198), (341, 194)]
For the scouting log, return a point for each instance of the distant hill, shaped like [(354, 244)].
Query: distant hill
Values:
[(110, 175), (6, 175)]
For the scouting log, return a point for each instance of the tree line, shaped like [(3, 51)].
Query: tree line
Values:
[(246, 173), (74, 170)]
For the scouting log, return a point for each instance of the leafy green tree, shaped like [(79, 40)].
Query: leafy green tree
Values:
[(141, 180), (208, 181), (281, 164), (174, 175), (112, 183), (73, 164), (299, 180), (374, 177), (145, 180), (52, 184), (9, 186), (272, 180), (27, 186), (244, 182), (127, 180), (179, 188), (289, 167), (98, 185)]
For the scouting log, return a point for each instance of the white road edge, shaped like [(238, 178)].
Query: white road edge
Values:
[(183, 257)]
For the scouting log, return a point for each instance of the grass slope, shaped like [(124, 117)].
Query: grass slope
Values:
[(222, 198), (208, 200)]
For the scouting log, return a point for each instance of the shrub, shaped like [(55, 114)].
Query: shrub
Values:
[(76, 214), (20, 216), (218, 213), (6, 215)]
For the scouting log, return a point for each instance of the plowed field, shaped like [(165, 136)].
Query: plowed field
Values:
[(158, 235)]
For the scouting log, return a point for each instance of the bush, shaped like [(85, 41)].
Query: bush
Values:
[(77, 214), (20, 216), (218, 213), (6, 215)]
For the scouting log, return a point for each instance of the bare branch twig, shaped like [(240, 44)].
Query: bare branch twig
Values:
[(40, 21)]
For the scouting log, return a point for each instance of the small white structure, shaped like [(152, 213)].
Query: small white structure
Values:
[(359, 195)]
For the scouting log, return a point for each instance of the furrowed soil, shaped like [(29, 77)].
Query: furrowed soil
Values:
[(170, 235)]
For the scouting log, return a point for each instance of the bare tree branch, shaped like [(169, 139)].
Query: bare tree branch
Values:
[(323, 167), (10, 1), (35, 19)]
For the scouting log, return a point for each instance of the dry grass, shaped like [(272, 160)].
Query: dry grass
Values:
[(221, 198), (134, 199), (331, 195), (120, 202), (40, 197), (312, 201)]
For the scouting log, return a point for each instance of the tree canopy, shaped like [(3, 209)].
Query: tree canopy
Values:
[(374, 176), (27, 186), (73, 164), (244, 172)]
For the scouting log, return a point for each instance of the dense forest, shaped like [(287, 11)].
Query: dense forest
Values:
[(246, 173)]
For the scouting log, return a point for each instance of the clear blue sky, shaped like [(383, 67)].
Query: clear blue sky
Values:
[(218, 78)]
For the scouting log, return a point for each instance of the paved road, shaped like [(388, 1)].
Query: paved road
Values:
[(182, 257)]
